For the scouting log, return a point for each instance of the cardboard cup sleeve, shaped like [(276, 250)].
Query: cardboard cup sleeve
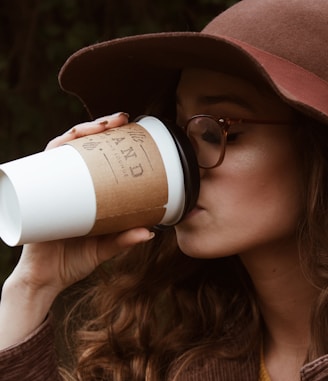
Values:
[(109, 182)]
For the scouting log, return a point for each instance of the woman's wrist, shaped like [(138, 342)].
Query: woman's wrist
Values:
[(22, 310)]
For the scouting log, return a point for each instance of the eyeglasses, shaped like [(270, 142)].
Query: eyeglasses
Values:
[(208, 134)]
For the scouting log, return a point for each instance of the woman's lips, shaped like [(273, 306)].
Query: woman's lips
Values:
[(197, 209)]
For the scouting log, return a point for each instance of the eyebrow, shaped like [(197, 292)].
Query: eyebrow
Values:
[(222, 98)]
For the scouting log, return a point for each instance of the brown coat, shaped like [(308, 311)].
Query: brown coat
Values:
[(34, 360)]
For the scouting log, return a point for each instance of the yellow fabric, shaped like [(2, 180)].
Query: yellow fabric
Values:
[(263, 376)]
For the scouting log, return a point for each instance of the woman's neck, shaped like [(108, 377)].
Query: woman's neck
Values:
[(285, 299)]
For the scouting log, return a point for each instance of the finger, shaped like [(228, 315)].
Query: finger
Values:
[(98, 125), (123, 241), (88, 128)]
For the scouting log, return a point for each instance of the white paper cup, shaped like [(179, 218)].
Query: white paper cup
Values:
[(125, 177)]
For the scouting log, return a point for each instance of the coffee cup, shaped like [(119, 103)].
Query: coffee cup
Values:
[(144, 173)]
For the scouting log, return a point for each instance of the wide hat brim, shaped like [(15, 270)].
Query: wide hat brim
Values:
[(125, 74)]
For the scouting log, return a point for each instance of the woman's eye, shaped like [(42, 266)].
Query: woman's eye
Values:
[(211, 137), (232, 136)]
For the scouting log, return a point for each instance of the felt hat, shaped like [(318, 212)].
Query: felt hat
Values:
[(282, 42)]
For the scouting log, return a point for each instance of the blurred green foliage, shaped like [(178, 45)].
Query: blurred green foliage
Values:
[(36, 38)]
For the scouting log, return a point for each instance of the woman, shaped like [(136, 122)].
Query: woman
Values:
[(238, 290)]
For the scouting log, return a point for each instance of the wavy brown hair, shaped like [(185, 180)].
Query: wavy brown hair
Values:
[(153, 307), (313, 232)]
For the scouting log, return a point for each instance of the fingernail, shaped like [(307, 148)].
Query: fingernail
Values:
[(71, 131), (104, 122), (121, 114), (150, 236), (117, 114)]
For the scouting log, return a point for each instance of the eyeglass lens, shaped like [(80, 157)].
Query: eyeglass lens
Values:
[(207, 139)]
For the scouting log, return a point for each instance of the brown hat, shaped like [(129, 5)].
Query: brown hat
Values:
[(283, 42)]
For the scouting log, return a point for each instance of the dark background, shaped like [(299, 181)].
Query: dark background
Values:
[(37, 36)]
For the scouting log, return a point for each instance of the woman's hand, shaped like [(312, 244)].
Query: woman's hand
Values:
[(45, 269)]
